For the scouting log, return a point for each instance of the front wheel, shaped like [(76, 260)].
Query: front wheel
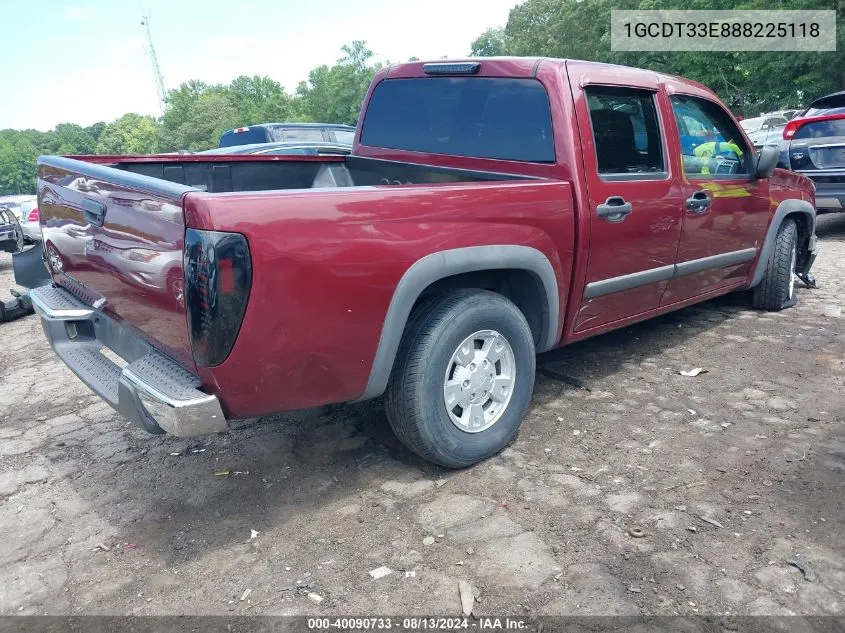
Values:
[(777, 289), (463, 377)]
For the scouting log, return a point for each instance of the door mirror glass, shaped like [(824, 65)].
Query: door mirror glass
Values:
[(767, 160)]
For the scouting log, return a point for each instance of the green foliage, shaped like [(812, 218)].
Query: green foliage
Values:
[(130, 134), (750, 82), (491, 43), (197, 115), (335, 94)]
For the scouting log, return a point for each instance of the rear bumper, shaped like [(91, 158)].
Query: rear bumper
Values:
[(150, 389), (830, 194)]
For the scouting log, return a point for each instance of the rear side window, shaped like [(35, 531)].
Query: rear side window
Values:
[(299, 134), (822, 129), (625, 130), (481, 117), (247, 137)]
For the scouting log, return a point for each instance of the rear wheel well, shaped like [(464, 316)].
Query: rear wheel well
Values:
[(522, 287)]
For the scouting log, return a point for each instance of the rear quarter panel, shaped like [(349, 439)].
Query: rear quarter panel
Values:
[(326, 264)]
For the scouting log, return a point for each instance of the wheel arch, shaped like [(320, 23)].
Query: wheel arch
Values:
[(805, 216), (429, 270)]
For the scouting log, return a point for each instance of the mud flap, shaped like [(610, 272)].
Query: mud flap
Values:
[(30, 271), (16, 308)]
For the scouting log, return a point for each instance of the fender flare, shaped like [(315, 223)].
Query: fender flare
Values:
[(436, 266), (785, 208)]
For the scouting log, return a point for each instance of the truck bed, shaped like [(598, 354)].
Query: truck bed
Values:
[(223, 174), (326, 235)]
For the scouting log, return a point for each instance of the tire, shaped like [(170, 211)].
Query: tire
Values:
[(437, 332), (777, 289)]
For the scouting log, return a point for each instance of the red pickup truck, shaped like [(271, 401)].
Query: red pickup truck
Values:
[(490, 209)]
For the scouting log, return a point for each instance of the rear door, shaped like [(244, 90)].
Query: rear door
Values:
[(634, 195), (725, 208)]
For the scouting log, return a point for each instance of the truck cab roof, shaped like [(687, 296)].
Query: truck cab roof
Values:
[(530, 67)]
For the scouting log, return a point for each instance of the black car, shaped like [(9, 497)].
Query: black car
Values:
[(289, 133), (815, 147), (11, 236)]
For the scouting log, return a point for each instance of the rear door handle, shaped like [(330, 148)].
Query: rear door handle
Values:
[(699, 203), (94, 212), (614, 209)]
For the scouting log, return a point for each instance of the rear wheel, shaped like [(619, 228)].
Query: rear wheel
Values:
[(777, 289), (463, 377)]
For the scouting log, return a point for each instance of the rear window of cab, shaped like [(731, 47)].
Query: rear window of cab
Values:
[(478, 117)]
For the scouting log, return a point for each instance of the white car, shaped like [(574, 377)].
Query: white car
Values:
[(763, 123)]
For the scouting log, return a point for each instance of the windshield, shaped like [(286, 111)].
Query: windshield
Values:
[(507, 119)]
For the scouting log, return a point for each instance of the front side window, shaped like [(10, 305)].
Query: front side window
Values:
[(625, 131), (711, 144), (480, 117)]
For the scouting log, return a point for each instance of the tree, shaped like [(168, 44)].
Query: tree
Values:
[(335, 94), (200, 125), (130, 134), (491, 43), (74, 139), (196, 116), (758, 81), (17, 165), (259, 100)]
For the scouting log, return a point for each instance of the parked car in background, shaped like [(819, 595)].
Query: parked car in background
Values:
[(289, 132), (25, 210), (764, 122), (11, 238), (491, 209), (772, 136), (787, 114), (283, 149), (29, 221), (815, 147)]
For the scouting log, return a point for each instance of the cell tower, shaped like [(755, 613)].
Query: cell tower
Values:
[(162, 93)]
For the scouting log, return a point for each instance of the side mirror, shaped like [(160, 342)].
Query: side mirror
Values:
[(767, 160)]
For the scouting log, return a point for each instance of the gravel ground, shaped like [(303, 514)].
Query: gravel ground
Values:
[(651, 493)]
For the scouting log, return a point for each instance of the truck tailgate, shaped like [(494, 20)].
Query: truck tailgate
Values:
[(115, 240)]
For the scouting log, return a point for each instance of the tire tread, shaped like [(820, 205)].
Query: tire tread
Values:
[(772, 292)]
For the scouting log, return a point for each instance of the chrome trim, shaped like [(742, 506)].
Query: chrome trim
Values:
[(182, 418), (57, 314)]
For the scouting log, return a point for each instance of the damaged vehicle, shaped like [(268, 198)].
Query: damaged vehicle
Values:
[(490, 209)]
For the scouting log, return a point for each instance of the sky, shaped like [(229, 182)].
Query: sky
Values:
[(83, 61)]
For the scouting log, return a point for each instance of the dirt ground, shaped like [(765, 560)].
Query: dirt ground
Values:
[(651, 493)]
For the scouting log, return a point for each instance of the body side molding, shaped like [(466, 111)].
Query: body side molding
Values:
[(714, 261), (666, 273), (436, 266)]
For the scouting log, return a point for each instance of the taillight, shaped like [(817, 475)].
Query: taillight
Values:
[(790, 129), (33, 215), (218, 278), (796, 124)]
